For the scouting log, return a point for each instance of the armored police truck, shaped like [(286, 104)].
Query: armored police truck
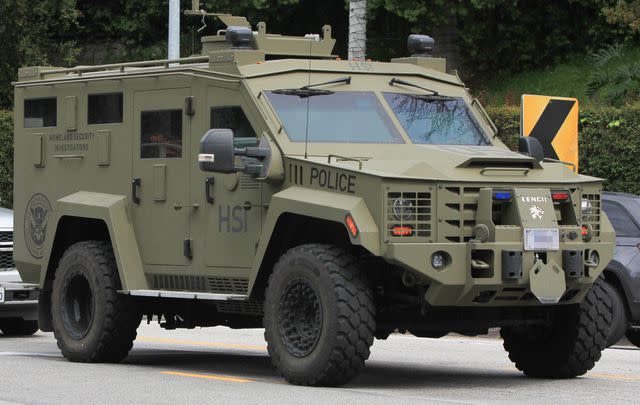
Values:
[(267, 183)]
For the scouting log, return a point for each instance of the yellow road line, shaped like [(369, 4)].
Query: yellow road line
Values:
[(208, 377), (201, 343), (614, 376), (606, 376)]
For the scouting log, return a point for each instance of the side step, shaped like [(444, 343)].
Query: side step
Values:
[(187, 295)]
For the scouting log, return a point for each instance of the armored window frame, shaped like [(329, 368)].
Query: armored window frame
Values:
[(151, 121), (105, 108), (240, 129), (41, 108)]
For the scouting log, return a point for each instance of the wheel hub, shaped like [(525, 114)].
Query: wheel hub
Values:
[(78, 307), (300, 318)]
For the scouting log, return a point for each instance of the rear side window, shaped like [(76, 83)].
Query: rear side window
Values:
[(104, 108), (161, 134), (40, 112), (622, 222)]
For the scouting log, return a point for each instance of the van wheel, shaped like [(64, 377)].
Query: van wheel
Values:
[(570, 345), (619, 322), (319, 316), (92, 322), (18, 327)]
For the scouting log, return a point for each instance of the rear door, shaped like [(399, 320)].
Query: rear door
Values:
[(160, 186)]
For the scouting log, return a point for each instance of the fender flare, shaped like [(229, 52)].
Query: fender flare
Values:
[(112, 209), (323, 205)]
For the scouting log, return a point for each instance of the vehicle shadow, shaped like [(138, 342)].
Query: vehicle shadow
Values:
[(377, 374)]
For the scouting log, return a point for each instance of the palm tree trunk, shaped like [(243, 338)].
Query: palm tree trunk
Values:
[(357, 29)]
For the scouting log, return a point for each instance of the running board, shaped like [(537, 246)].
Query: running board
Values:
[(187, 295)]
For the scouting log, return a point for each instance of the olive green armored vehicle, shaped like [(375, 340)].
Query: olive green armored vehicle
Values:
[(267, 183)]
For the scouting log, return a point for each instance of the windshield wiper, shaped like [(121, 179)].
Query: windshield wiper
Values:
[(434, 96), (406, 83), (308, 91)]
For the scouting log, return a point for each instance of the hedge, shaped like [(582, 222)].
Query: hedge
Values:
[(609, 145), (609, 142)]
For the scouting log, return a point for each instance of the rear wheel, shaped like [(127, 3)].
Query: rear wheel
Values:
[(619, 322), (18, 327), (92, 322), (318, 316), (570, 345)]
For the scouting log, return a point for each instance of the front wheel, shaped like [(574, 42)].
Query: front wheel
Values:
[(319, 316), (92, 322), (567, 347), (619, 322)]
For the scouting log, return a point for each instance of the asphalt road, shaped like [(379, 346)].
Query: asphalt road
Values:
[(220, 365)]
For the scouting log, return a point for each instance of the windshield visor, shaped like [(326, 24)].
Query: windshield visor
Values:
[(341, 117), (436, 121)]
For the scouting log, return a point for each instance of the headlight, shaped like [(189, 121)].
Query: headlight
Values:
[(587, 209), (403, 210), (594, 257)]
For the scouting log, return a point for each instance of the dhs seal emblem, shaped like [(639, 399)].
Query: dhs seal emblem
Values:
[(35, 224)]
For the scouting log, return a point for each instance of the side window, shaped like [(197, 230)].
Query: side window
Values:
[(232, 118), (40, 112), (622, 223), (104, 108), (161, 134)]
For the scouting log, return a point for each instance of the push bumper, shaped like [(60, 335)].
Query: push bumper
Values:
[(499, 273)]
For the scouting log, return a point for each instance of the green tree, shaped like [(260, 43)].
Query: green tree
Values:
[(35, 33)]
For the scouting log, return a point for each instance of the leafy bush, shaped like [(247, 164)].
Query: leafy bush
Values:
[(614, 80), (609, 142)]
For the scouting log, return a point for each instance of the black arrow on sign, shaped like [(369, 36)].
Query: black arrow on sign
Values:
[(550, 122)]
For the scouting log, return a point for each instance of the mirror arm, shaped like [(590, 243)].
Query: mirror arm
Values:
[(252, 151)]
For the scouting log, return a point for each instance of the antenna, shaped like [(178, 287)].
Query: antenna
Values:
[(306, 135)]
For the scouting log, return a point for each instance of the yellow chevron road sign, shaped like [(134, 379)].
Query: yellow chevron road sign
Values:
[(554, 122)]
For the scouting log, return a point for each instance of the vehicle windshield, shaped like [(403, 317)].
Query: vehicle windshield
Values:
[(342, 117), (436, 121)]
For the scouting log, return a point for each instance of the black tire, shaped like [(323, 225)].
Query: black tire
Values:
[(570, 346), (633, 336), (92, 322), (619, 320), (18, 327), (319, 316)]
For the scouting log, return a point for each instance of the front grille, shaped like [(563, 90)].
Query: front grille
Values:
[(6, 237), (6, 261), (6, 257), (414, 215), (457, 207), (594, 218)]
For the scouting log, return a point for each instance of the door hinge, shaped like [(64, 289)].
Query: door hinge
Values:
[(186, 248), (189, 106)]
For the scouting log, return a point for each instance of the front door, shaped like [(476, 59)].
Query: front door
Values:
[(231, 218), (160, 184)]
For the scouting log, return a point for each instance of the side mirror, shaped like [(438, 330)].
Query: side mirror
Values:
[(217, 151), (530, 146)]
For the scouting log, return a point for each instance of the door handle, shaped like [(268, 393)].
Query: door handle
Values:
[(135, 185), (208, 183)]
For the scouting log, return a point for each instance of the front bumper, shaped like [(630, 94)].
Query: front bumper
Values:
[(459, 284), (20, 301)]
